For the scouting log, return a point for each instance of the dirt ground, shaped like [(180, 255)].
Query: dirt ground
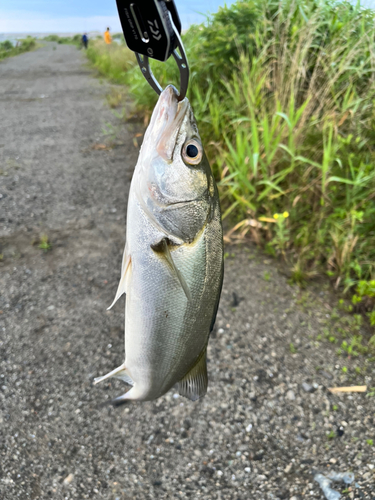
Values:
[(268, 422)]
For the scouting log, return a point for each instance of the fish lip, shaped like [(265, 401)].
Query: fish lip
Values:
[(171, 112), (174, 203), (170, 92)]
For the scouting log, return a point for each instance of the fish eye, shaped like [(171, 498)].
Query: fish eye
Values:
[(192, 152)]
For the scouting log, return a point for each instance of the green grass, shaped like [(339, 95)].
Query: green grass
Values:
[(114, 61), (283, 95), (44, 243), (64, 40), (293, 350), (8, 50), (266, 276)]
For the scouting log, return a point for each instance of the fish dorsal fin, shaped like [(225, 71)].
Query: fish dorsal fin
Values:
[(125, 272), (194, 384), (162, 248)]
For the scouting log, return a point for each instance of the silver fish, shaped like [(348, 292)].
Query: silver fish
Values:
[(172, 268)]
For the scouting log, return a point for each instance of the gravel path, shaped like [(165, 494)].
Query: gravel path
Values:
[(268, 421)]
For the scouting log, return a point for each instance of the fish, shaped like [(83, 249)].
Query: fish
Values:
[(172, 267)]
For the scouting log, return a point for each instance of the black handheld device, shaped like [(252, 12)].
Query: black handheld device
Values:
[(148, 26)]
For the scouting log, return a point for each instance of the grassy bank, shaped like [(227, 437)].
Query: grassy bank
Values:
[(283, 94), (64, 40), (7, 49), (77, 39)]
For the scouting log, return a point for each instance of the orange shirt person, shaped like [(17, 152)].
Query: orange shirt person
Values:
[(107, 36)]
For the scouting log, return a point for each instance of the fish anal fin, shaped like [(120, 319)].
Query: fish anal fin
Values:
[(162, 248), (121, 289), (125, 258), (119, 373), (194, 385)]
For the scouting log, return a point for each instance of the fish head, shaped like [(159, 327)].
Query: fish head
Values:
[(174, 178)]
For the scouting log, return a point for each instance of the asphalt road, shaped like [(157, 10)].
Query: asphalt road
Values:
[(268, 421)]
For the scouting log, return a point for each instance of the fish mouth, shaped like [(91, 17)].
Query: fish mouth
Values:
[(183, 202), (166, 121)]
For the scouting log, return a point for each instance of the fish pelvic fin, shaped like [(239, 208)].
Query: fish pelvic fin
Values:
[(194, 385), (125, 273), (162, 248), (119, 373)]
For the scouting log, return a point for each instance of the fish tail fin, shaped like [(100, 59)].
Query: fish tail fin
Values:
[(119, 373)]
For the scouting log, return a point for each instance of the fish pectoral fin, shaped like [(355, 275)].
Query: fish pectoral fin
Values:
[(121, 289), (194, 384), (162, 248), (119, 373)]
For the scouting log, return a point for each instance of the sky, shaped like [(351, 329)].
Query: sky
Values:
[(76, 16)]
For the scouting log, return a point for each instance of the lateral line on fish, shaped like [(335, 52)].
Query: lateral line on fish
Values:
[(163, 248)]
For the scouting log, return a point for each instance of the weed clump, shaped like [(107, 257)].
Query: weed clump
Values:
[(44, 243), (7, 49), (65, 40)]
